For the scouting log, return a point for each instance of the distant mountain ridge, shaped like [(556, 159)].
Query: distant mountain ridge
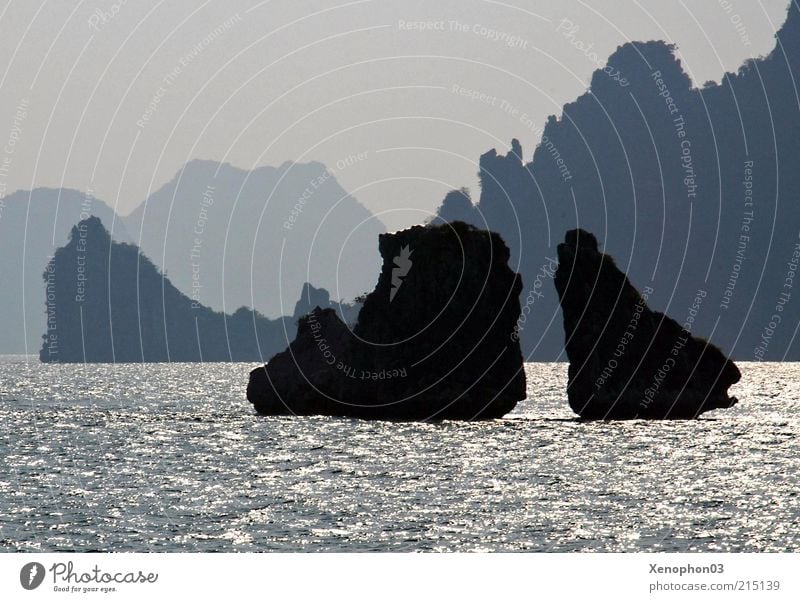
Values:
[(224, 236), (107, 302), (230, 237), (688, 188)]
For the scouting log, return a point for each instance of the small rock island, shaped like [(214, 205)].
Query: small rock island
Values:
[(627, 361), (434, 340)]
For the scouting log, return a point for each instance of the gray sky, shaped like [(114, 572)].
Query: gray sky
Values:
[(119, 95)]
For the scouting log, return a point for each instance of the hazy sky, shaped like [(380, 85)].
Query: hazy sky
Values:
[(117, 95)]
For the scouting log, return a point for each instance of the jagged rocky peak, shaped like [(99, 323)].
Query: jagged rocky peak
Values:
[(311, 297), (627, 361), (434, 340)]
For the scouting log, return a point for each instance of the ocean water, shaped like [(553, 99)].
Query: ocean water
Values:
[(171, 457)]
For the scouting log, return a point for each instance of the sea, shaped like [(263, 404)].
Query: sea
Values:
[(172, 458)]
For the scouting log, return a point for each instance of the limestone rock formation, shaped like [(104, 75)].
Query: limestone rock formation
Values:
[(434, 340), (627, 361)]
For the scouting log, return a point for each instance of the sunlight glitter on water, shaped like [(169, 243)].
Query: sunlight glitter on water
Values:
[(120, 458)]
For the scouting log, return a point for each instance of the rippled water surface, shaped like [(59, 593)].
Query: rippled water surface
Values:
[(171, 457)]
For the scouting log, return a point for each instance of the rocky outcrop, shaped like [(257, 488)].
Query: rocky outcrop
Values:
[(627, 361), (434, 340)]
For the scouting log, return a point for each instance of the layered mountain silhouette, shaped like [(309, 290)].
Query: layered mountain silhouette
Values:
[(33, 225), (256, 235), (688, 188), (107, 302), (229, 237)]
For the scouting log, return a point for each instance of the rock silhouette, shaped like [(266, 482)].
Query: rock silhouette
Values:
[(33, 224), (692, 185), (434, 340), (106, 302), (627, 361), (232, 222)]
